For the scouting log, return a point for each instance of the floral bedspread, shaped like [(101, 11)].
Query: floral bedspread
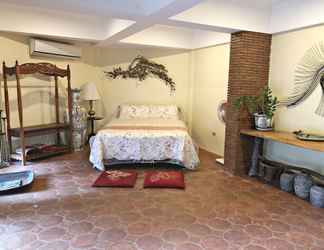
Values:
[(144, 140)]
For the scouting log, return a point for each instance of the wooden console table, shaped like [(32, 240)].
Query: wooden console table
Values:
[(282, 137)]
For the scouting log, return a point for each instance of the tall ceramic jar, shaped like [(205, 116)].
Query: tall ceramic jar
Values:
[(303, 184), (79, 121)]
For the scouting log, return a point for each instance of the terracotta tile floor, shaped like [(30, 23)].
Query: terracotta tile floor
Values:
[(216, 211)]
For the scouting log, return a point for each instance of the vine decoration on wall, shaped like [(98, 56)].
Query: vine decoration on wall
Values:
[(308, 76), (142, 68)]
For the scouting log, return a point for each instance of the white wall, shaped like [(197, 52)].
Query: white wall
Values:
[(287, 51)]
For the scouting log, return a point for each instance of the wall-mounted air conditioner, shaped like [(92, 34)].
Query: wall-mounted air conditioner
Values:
[(54, 49)]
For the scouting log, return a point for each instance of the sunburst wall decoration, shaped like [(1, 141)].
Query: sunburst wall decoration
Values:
[(142, 68), (309, 74)]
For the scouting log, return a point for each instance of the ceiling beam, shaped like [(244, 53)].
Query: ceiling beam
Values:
[(198, 26), (171, 9), (107, 23)]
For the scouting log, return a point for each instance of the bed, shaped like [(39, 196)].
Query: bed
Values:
[(142, 133)]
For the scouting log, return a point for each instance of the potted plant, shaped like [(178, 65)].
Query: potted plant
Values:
[(262, 107)]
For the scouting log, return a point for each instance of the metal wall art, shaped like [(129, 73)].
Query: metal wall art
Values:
[(309, 74), (141, 68)]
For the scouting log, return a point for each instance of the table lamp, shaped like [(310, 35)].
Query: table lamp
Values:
[(89, 93)]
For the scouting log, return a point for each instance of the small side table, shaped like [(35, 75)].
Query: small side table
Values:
[(92, 119)]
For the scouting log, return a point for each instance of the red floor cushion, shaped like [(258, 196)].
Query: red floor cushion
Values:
[(116, 178), (164, 179)]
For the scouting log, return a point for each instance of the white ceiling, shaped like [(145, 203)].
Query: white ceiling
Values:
[(103, 8), (184, 24)]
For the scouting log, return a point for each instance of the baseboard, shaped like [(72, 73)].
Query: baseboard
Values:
[(209, 151)]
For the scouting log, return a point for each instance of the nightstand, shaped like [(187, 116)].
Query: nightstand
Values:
[(92, 120)]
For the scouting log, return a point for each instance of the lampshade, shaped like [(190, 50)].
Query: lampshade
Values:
[(89, 92)]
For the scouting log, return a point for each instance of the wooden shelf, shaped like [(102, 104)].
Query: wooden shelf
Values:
[(39, 129), (62, 150), (284, 137), (23, 131)]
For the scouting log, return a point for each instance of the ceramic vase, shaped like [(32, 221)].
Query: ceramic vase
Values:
[(79, 121)]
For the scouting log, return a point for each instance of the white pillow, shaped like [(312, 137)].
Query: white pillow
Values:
[(149, 111)]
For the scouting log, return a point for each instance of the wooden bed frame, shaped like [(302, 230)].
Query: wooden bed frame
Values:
[(126, 163)]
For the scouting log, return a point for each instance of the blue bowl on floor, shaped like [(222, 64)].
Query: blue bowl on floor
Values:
[(10, 181)]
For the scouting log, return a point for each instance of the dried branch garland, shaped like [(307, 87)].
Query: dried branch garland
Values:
[(141, 68)]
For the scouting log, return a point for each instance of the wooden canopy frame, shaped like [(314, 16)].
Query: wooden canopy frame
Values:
[(47, 69)]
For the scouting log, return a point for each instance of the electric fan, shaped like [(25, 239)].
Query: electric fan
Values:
[(221, 114)]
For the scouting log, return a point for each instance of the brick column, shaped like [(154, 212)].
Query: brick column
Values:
[(248, 74)]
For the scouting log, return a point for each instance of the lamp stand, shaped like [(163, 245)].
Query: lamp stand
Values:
[(91, 112)]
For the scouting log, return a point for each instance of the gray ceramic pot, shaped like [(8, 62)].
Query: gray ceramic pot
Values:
[(303, 184), (287, 182), (262, 122), (317, 196)]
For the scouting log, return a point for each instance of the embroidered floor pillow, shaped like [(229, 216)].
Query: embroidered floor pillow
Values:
[(116, 178), (164, 179)]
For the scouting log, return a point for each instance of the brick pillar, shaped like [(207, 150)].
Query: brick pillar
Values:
[(248, 74)]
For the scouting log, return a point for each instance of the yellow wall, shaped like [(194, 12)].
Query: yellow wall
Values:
[(201, 82), (200, 76), (211, 67), (152, 90), (36, 101), (287, 51)]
